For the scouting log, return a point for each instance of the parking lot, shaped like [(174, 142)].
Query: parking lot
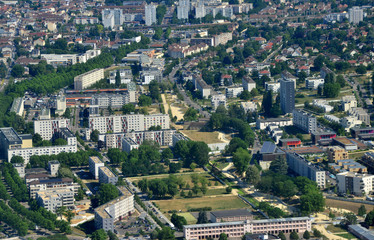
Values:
[(133, 225)]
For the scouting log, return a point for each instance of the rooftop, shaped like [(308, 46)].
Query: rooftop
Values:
[(274, 120), (230, 213), (96, 159), (268, 147), (11, 136), (107, 172)]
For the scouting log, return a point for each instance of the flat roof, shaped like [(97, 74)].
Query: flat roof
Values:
[(289, 139), (67, 132), (274, 120), (107, 171), (268, 147), (11, 135), (344, 141), (307, 150), (96, 159), (101, 210)]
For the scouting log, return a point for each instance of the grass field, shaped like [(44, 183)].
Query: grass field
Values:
[(346, 235), (186, 178), (335, 229), (351, 206), (216, 203), (356, 155), (207, 137), (189, 218)]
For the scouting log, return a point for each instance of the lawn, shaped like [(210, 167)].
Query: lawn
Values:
[(351, 206), (346, 235), (189, 217), (186, 177), (335, 229), (356, 155), (207, 137), (216, 203)]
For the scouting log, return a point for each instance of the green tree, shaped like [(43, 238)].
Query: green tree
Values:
[(362, 210), (128, 108), (331, 90), (17, 159), (317, 233), (99, 234), (107, 192), (165, 234), (69, 215), (267, 103), (282, 236), (203, 217), (369, 219), (279, 165), (361, 69), (112, 236), (191, 115), (349, 219), (340, 79), (245, 95), (318, 62), (95, 135), (294, 236), (59, 142), (61, 211), (145, 101), (252, 175), (178, 221), (17, 71), (222, 236), (228, 189), (241, 160), (167, 154), (306, 234)]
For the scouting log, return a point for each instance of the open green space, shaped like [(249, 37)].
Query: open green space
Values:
[(216, 203), (346, 235), (189, 217)]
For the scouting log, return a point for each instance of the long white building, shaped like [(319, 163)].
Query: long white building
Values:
[(46, 128), (127, 123), (87, 79), (106, 215)]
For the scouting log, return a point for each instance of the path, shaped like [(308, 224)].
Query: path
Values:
[(164, 102), (330, 236)]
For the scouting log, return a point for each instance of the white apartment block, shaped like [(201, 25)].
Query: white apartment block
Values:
[(70, 59), (129, 144), (248, 106), (26, 153), (107, 176), (106, 215), (305, 121), (233, 92), (183, 9), (355, 15), (110, 100), (218, 100), (53, 199), (281, 122), (87, 79), (127, 123), (248, 84), (53, 167), (360, 114), (348, 102), (350, 122), (162, 137), (47, 128), (355, 183), (94, 164), (304, 168), (53, 184), (272, 86), (112, 17), (321, 103), (150, 14), (314, 83)]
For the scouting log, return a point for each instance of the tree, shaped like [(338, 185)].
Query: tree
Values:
[(99, 235), (349, 219), (228, 189), (199, 153), (17, 71), (165, 234), (267, 103), (118, 78), (317, 233), (331, 90), (340, 79), (223, 236), (245, 95), (279, 165), (107, 192), (282, 236), (203, 218), (234, 144), (362, 211), (191, 115), (112, 236), (128, 108), (294, 236), (167, 154), (369, 219), (69, 215), (252, 175), (145, 101), (95, 135), (306, 235), (178, 221), (361, 69), (61, 211), (67, 113), (318, 62), (59, 142), (17, 159)]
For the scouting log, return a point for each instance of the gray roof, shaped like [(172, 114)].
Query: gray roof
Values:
[(231, 213), (268, 147), (360, 231)]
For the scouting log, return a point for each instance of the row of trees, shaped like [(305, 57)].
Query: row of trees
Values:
[(79, 158), (13, 220), (17, 186)]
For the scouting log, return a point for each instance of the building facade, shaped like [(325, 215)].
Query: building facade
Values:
[(355, 15), (305, 121), (94, 164), (355, 183), (107, 176), (52, 184), (87, 79), (150, 14), (52, 199), (47, 128), (287, 95)]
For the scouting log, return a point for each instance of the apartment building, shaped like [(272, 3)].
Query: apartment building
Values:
[(150, 14), (53, 167), (349, 165), (222, 38), (248, 83), (128, 123), (348, 102), (110, 100), (362, 133), (323, 104), (305, 121), (360, 114), (355, 15), (70, 59), (179, 137), (355, 183), (53, 199), (201, 85), (233, 92), (128, 144), (280, 122), (287, 95), (218, 100), (87, 79), (112, 17), (304, 168), (94, 164), (248, 106), (272, 86), (314, 82), (107, 176), (336, 153), (52, 184), (287, 76), (20, 167), (240, 228), (106, 215), (47, 128)]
